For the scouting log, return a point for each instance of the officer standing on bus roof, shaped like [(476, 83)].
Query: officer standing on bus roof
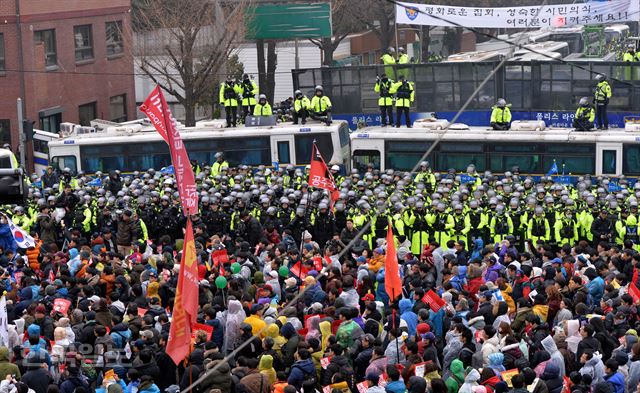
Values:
[(404, 92), (403, 58), (389, 60), (229, 93), (249, 91), (501, 116), (602, 96), (584, 116), (385, 102)]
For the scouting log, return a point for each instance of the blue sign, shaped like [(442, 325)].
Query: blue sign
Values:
[(562, 119), (69, 142), (467, 179)]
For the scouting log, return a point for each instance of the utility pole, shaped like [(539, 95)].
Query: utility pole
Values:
[(23, 160)]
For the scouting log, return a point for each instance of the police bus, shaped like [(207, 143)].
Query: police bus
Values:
[(41, 141), (612, 152), (136, 146)]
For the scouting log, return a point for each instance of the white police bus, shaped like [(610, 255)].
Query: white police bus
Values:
[(612, 152), (41, 141), (136, 146)]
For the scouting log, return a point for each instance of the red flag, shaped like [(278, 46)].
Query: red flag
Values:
[(634, 279), (52, 277), (433, 300), (185, 310), (157, 110), (392, 282), (319, 175), (634, 292)]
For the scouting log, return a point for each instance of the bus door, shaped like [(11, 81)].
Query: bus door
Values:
[(609, 159), (283, 149)]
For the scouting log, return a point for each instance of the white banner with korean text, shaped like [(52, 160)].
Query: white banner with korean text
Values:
[(613, 11)]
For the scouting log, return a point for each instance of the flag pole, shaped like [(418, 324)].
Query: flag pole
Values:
[(393, 323)]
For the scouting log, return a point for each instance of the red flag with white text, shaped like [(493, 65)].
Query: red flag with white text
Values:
[(185, 310), (157, 110), (319, 175)]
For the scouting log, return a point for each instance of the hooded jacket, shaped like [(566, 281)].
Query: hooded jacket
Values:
[(595, 368), (300, 371), (556, 357), (551, 378), (470, 381), (407, 314), (457, 378), (6, 367)]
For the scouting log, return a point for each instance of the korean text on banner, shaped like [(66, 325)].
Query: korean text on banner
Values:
[(157, 110), (614, 11)]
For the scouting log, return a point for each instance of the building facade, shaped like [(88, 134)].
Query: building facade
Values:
[(69, 61)]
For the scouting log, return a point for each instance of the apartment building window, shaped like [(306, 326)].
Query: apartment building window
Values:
[(118, 108), (48, 38), (86, 113), (2, 65), (5, 131), (84, 42), (114, 38)]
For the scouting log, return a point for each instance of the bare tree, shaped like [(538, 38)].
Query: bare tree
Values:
[(182, 45), (377, 16), (343, 25)]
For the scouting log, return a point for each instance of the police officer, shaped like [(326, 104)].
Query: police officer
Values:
[(584, 116), (263, 108), (389, 60), (501, 115), (403, 60), (249, 91), (630, 54), (301, 105), (216, 168), (229, 93), (385, 102), (602, 95), (404, 92), (321, 106)]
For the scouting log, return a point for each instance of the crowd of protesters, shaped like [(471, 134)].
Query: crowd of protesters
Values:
[(534, 284)]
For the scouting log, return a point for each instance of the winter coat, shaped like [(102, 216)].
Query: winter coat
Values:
[(456, 378), (490, 346), (634, 374), (616, 380), (127, 233), (407, 314), (301, 370), (6, 367), (595, 368), (551, 378)]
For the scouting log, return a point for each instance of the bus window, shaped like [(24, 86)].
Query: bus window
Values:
[(459, 162), (362, 158), (570, 158), (609, 162), (304, 143), (404, 155), (246, 151), (343, 132), (61, 162), (283, 152), (103, 158), (631, 160), (505, 162)]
